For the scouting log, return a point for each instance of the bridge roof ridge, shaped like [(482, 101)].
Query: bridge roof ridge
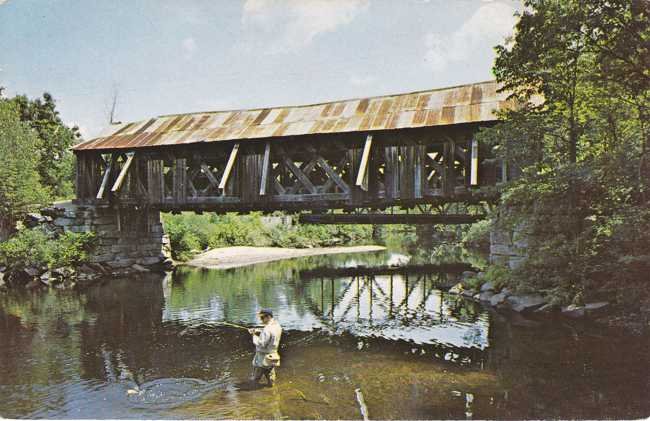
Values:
[(468, 103)]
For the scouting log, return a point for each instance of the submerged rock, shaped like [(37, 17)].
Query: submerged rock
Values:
[(548, 309), (573, 311), (597, 309), (139, 268), (526, 303)]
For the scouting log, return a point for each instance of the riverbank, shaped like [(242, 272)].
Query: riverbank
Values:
[(232, 257)]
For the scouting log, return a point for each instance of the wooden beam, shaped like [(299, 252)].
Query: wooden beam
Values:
[(107, 175), (266, 163), (474, 165), (362, 179), (384, 218), (229, 165), (297, 172), (122, 175), (332, 174), (208, 174)]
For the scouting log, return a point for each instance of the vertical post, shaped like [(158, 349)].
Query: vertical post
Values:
[(362, 175), (450, 170), (391, 172), (265, 168), (474, 167), (179, 177)]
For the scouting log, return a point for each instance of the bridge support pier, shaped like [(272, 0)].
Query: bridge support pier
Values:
[(508, 246), (124, 236)]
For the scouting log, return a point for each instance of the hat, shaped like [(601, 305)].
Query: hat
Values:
[(266, 311)]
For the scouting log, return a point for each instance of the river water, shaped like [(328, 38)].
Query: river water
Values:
[(387, 346)]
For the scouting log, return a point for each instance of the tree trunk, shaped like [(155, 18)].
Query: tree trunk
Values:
[(6, 229)]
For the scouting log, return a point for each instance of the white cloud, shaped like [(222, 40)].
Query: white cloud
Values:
[(3, 2), (189, 47), (293, 24), (488, 26)]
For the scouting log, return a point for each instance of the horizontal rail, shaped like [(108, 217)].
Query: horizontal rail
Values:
[(385, 219)]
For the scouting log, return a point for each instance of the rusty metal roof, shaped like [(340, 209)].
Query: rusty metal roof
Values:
[(454, 105)]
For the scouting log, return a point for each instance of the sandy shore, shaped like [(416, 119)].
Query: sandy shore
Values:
[(232, 257)]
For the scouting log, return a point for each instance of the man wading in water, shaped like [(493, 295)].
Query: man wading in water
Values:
[(267, 341)]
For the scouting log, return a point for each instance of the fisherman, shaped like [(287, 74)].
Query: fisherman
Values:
[(267, 341)]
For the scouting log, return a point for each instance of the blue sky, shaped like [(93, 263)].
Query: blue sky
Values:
[(173, 56)]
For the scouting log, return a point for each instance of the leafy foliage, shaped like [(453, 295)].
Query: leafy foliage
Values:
[(190, 233), (20, 189), (56, 163), (33, 247), (581, 192)]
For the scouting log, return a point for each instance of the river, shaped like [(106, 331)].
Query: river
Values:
[(390, 346)]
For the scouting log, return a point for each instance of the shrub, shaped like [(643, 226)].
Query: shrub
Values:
[(190, 233), (36, 248), (478, 235)]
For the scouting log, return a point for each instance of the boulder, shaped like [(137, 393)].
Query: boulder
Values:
[(597, 309), (487, 286), (456, 289), (32, 271), (506, 291), (573, 311), (62, 272), (498, 299), (468, 274), (86, 269), (139, 268), (47, 278), (486, 296), (34, 219), (548, 309), (526, 303), (468, 293)]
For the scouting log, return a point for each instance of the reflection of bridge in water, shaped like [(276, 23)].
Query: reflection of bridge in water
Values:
[(412, 308)]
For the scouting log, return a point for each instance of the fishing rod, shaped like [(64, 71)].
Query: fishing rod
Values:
[(233, 325)]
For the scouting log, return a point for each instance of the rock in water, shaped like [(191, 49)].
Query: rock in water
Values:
[(498, 299), (573, 311), (548, 309), (597, 309), (526, 303), (139, 268), (486, 296)]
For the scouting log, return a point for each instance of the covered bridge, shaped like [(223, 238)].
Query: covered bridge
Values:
[(397, 150)]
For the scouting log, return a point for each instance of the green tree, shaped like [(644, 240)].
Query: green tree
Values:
[(56, 164), (581, 149), (20, 189)]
